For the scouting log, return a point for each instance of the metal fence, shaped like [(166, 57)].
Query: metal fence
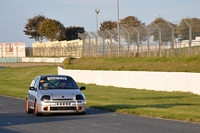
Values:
[(161, 39)]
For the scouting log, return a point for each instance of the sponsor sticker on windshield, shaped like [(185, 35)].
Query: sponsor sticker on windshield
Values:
[(56, 78)]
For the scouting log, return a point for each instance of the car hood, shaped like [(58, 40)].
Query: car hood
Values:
[(61, 93)]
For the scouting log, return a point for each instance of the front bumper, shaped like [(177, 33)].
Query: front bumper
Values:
[(78, 106)]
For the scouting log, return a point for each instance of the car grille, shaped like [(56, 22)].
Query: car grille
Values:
[(63, 99), (62, 108)]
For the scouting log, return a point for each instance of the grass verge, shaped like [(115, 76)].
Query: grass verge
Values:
[(172, 64)]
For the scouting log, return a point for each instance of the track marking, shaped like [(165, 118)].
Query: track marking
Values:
[(106, 124)]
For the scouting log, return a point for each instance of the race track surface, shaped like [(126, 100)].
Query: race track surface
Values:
[(14, 119)]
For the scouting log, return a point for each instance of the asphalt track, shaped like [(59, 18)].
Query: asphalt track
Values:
[(14, 119)]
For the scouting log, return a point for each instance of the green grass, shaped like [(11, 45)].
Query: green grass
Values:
[(171, 105), (173, 64), (16, 81)]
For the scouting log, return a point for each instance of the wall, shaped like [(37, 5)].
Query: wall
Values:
[(58, 48), (159, 81)]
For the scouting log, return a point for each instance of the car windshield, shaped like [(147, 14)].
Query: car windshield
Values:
[(57, 82)]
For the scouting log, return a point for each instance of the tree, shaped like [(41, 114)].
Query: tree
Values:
[(165, 28), (130, 21), (71, 32), (108, 25), (183, 29), (125, 22), (52, 30), (31, 28)]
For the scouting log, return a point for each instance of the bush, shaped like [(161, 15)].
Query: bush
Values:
[(67, 61)]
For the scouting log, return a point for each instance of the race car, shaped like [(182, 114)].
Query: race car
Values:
[(55, 94)]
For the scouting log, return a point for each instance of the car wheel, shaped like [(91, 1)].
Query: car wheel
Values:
[(36, 109), (28, 109)]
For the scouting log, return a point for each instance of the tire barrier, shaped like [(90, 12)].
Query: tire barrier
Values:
[(38, 59), (1, 67), (10, 60)]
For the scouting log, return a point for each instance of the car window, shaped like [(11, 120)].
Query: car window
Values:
[(33, 82), (36, 82), (57, 82)]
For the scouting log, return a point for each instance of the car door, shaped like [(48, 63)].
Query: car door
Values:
[(33, 91)]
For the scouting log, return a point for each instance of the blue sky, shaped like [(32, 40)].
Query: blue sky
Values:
[(14, 13)]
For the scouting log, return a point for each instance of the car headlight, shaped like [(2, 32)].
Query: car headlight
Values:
[(79, 97), (45, 97)]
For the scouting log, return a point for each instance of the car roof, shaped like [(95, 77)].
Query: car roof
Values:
[(54, 75)]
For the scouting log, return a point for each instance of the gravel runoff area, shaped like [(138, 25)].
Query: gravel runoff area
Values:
[(26, 64)]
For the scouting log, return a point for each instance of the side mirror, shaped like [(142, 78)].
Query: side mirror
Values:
[(82, 88), (31, 88)]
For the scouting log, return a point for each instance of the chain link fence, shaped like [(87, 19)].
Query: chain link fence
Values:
[(155, 40)]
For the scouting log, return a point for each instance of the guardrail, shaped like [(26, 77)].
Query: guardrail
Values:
[(10, 60), (26, 59)]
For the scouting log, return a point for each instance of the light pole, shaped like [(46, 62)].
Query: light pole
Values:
[(97, 12), (118, 27)]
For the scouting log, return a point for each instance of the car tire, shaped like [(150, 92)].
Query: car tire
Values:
[(28, 109), (36, 109), (82, 113)]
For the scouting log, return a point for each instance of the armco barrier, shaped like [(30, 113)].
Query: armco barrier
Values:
[(26, 59), (159, 81), (44, 59)]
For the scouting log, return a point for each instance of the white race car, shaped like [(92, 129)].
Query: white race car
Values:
[(55, 94)]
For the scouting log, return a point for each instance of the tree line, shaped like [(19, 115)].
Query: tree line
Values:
[(39, 28)]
